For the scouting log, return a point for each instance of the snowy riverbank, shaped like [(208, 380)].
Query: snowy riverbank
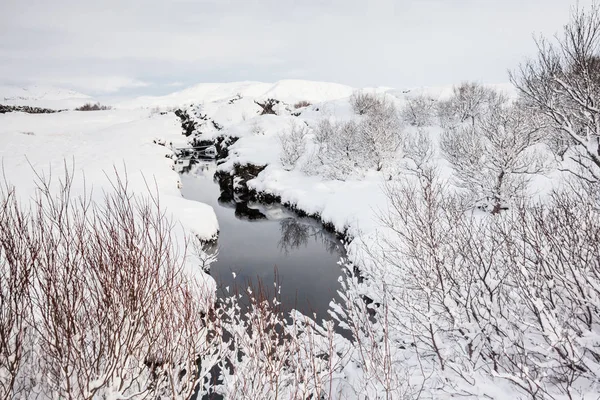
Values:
[(96, 145)]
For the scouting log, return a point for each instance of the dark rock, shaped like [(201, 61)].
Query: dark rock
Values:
[(26, 109)]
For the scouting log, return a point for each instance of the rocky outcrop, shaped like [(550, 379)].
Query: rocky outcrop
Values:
[(26, 109), (187, 123)]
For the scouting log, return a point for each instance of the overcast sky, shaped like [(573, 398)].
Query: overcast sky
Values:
[(121, 47)]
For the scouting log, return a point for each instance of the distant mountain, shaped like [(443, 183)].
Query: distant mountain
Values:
[(290, 91), (42, 96)]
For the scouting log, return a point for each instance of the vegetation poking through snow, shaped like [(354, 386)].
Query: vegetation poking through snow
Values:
[(302, 104), (293, 145), (93, 107), (188, 124), (495, 159), (268, 106), (562, 86), (419, 111), (362, 102), (468, 286), (26, 109)]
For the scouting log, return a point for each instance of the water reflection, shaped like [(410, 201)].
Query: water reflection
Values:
[(255, 240), (295, 233)]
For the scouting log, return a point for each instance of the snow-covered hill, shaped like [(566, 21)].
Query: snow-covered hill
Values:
[(289, 91), (42, 96)]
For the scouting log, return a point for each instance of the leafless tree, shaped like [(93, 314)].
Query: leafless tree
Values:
[(381, 134), (468, 102), (339, 150), (563, 85), (419, 110), (495, 159), (363, 102), (293, 145)]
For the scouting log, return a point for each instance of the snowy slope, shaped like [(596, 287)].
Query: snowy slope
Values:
[(289, 91), (42, 96)]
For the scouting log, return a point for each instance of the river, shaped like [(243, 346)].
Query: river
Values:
[(265, 243)]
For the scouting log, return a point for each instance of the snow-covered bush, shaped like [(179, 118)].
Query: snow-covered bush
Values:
[(339, 152), (469, 101), (487, 301), (494, 159), (563, 86), (419, 111), (381, 134), (363, 102), (349, 147), (293, 145)]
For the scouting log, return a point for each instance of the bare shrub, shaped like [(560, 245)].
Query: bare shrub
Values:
[(16, 271), (293, 145), (93, 107), (339, 150), (418, 150), (268, 106), (562, 85), (419, 110), (302, 104), (380, 133), (345, 148), (499, 296), (362, 102), (494, 159), (469, 101), (113, 311)]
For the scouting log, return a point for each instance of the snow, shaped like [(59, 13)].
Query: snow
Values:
[(351, 206), (444, 92), (99, 142), (289, 91), (43, 96)]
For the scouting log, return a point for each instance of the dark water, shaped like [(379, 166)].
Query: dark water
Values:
[(260, 242)]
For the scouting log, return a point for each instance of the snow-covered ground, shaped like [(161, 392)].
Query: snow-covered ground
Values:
[(95, 144)]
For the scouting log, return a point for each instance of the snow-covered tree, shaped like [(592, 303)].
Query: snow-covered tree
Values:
[(381, 134), (419, 110), (370, 142), (363, 102), (293, 144), (495, 158), (469, 101), (563, 85)]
